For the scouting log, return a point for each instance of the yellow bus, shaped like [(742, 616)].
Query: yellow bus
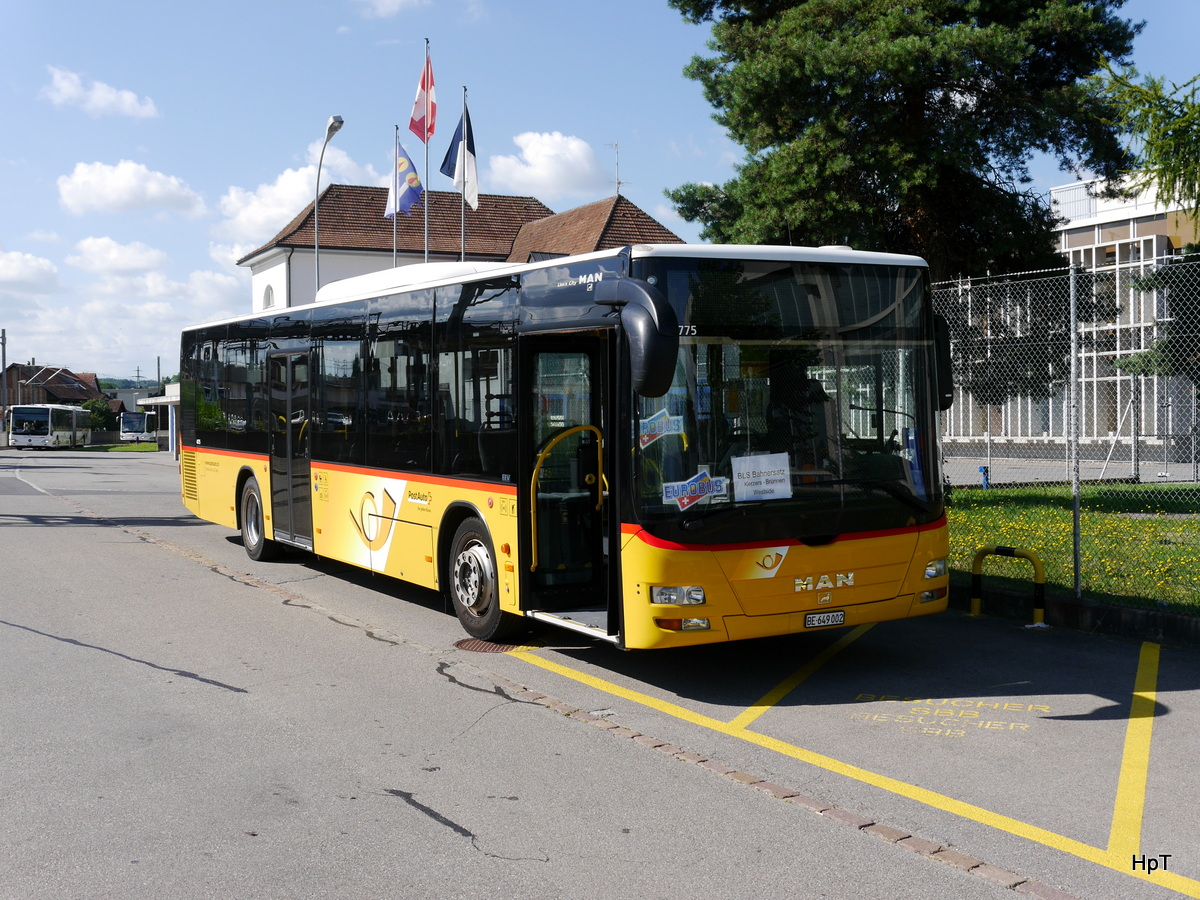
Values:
[(656, 446)]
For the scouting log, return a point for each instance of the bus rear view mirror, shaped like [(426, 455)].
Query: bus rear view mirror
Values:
[(945, 377), (652, 330)]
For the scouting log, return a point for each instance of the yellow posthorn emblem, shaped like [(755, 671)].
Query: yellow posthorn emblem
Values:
[(374, 525)]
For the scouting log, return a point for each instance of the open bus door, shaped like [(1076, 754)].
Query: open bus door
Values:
[(568, 578)]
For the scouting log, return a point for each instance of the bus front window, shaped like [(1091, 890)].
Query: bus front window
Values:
[(34, 422), (801, 392)]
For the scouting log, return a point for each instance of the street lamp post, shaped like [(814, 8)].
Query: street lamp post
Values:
[(335, 124)]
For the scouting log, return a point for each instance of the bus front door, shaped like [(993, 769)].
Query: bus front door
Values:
[(291, 494), (567, 575)]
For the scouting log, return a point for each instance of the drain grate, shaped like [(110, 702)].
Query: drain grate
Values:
[(475, 645)]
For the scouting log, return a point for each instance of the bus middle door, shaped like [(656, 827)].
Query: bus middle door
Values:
[(291, 493), (566, 489)]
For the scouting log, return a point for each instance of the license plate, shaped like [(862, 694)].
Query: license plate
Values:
[(823, 619)]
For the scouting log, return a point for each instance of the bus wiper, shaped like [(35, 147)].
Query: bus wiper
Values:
[(703, 516), (889, 487)]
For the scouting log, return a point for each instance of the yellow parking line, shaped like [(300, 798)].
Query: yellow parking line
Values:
[(1126, 835), (1130, 790), (775, 696), (663, 706)]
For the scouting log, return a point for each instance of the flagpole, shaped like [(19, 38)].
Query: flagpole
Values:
[(395, 187), (462, 194), (425, 141)]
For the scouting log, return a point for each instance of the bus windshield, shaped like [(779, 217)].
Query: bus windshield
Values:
[(802, 403), (30, 420)]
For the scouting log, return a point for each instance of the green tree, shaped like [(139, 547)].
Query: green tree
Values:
[(1164, 123), (103, 418), (904, 126)]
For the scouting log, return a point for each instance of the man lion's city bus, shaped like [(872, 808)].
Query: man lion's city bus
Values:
[(48, 425), (656, 446)]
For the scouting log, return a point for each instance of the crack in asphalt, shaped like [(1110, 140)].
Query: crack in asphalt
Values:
[(182, 673), (436, 816)]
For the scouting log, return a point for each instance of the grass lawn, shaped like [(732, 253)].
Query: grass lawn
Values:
[(144, 447), (1140, 544)]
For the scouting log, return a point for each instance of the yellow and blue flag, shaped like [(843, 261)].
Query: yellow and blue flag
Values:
[(405, 189)]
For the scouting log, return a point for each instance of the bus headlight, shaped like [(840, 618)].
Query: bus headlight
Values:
[(935, 568), (677, 595)]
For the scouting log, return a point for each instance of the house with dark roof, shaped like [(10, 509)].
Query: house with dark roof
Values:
[(48, 384), (353, 237)]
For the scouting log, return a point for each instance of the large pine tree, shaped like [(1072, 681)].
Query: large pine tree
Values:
[(905, 125)]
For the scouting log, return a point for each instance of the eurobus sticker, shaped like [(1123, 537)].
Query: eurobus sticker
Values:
[(657, 425), (699, 486)]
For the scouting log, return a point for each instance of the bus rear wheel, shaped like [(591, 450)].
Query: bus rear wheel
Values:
[(254, 534), (473, 586)]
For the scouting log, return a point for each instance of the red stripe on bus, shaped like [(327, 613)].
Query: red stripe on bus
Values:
[(639, 532), (507, 489), (239, 454), (439, 480)]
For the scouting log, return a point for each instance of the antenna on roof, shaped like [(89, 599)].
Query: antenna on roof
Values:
[(617, 157)]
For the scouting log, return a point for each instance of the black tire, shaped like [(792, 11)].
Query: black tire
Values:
[(473, 587), (254, 531)]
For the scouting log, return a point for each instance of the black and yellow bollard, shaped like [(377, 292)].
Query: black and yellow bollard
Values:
[(1039, 580)]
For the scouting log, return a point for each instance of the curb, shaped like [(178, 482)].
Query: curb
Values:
[(994, 874)]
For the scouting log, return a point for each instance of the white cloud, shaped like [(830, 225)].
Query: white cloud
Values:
[(666, 214), (119, 323), (550, 167), (383, 9), (96, 99), (253, 217), (27, 274), (127, 186), (105, 256)]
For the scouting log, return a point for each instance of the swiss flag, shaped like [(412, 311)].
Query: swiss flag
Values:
[(424, 111)]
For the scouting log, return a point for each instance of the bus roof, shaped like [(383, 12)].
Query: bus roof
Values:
[(44, 406), (429, 275)]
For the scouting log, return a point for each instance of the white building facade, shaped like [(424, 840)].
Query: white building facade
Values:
[(1124, 418)]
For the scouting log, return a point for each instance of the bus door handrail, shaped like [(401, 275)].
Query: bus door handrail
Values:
[(533, 487)]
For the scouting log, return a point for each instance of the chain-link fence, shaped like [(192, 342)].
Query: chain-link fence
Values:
[(1075, 430)]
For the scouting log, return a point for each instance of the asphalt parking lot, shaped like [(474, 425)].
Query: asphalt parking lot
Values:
[(1040, 759), (1042, 743)]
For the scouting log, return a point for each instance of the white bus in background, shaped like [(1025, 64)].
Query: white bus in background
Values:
[(138, 426), (48, 425)]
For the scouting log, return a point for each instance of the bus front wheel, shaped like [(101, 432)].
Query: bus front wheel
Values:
[(254, 534), (473, 586)]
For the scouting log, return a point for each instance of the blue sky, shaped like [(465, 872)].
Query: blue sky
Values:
[(148, 145)]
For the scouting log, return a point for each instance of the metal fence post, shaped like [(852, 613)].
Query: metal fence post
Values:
[(1074, 432)]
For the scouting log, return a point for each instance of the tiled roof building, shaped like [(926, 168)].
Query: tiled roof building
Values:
[(352, 219), (614, 222), (355, 238), (49, 384)]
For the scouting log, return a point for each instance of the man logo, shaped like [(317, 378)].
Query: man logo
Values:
[(825, 582)]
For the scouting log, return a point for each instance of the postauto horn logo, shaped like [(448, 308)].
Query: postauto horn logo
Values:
[(374, 524)]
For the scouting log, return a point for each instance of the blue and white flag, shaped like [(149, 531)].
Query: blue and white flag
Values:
[(406, 184), (459, 163)]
